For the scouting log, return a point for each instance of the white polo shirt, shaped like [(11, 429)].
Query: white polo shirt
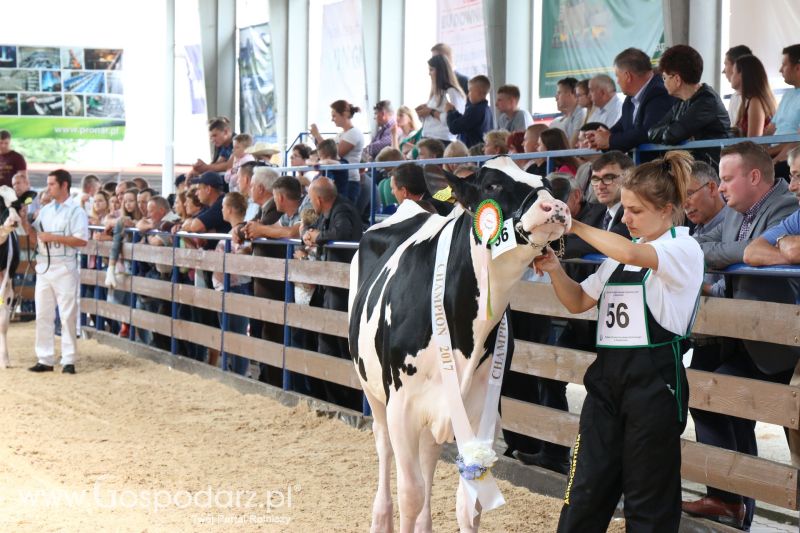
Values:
[(67, 218), (672, 290)]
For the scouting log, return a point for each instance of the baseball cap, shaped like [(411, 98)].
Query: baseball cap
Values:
[(212, 179)]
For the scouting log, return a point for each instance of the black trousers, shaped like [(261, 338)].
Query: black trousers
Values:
[(335, 298), (628, 443), (731, 432), (268, 331), (532, 328)]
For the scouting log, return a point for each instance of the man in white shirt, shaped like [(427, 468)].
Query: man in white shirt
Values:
[(61, 228), (606, 106), (573, 114)]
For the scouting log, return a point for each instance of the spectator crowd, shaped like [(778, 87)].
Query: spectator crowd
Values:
[(742, 207)]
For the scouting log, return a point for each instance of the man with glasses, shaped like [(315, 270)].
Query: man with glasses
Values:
[(706, 209)]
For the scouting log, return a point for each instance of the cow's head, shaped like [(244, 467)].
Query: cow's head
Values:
[(538, 217)]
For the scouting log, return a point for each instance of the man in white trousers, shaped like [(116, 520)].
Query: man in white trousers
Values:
[(61, 228)]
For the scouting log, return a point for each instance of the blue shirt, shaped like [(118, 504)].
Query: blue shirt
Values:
[(787, 117), (789, 226)]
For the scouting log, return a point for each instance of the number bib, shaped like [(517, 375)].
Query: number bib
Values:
[(622, 316)]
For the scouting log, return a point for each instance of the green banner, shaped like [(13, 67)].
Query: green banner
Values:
[(62, 92), (64, 128), (580, 38)]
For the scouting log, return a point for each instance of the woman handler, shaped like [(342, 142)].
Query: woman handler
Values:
[(637, 394)]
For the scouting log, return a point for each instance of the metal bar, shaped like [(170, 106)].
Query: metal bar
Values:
[(226, 286)]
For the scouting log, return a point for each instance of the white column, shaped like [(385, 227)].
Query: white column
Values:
[(168, 165)]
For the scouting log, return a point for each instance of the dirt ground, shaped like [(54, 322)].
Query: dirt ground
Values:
[(131, 445)]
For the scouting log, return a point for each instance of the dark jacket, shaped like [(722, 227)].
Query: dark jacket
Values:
[(470, 127), (592, 215), (700, 117), (342, 223), (722, 247), (630, 132)]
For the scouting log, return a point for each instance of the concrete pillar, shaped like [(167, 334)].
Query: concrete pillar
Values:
[(371, 17), (518, 50), (705, 20), (218, 40), (390, 63), (495, 17), (168, 165)]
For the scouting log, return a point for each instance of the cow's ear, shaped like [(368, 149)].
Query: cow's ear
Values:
[(441, 183)]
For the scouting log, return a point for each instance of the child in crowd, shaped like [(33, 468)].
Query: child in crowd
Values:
[(241, 142), (328, 155), (304, 291), (101, 207), (477, 117)]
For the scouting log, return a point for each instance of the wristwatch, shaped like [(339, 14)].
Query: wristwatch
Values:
[(778, 240)]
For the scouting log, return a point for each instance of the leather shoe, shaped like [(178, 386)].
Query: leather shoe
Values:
[(731, 514), (39, 367), (68, 369), (560, 465)]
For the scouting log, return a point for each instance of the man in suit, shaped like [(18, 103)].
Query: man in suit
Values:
[(646, 102), (757, 201), (339, 221), (261, 193)]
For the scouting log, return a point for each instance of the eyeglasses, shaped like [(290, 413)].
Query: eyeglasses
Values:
[(607, 179), (690, 193), (794, 177)]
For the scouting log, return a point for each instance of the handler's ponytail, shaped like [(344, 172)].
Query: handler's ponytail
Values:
[(663, 181)]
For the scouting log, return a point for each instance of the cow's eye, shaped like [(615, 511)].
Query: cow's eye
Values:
[(493, 187)]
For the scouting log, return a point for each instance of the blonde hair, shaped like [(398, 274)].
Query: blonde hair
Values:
[(663, 182), (498, 138), (410, 113)]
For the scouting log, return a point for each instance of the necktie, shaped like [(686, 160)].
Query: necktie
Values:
[(627, 113), (607, 219)]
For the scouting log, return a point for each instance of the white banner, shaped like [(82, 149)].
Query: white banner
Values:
[(460, 25), (342, 74)]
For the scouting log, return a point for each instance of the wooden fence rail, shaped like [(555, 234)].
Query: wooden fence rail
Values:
[(762, 479)]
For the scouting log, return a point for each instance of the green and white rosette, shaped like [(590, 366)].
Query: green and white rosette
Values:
[(488, 222)]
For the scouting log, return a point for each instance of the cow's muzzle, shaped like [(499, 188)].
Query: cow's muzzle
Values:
[(555, 214)]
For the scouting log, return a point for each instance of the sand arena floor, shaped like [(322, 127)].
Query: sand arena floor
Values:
[(131, 445)]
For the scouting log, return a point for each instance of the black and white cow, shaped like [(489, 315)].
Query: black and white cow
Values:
[(391, 336), (9, 260)]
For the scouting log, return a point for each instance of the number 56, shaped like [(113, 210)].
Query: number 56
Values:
[(620, 317)]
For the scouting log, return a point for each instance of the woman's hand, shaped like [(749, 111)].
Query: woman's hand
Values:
[(547, 262), (423, 111)]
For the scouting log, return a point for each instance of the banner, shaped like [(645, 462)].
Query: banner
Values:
[(460, 25), (581, 38), (257, 83), (61, 93), (342, 68)]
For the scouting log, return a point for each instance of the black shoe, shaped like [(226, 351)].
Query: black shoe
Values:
[(39, 367), (560, 465), (68, 369)]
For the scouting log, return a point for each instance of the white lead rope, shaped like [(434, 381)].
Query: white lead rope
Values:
[(476, 455)]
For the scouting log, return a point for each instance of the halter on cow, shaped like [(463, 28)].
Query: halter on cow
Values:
[(392, 341)]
